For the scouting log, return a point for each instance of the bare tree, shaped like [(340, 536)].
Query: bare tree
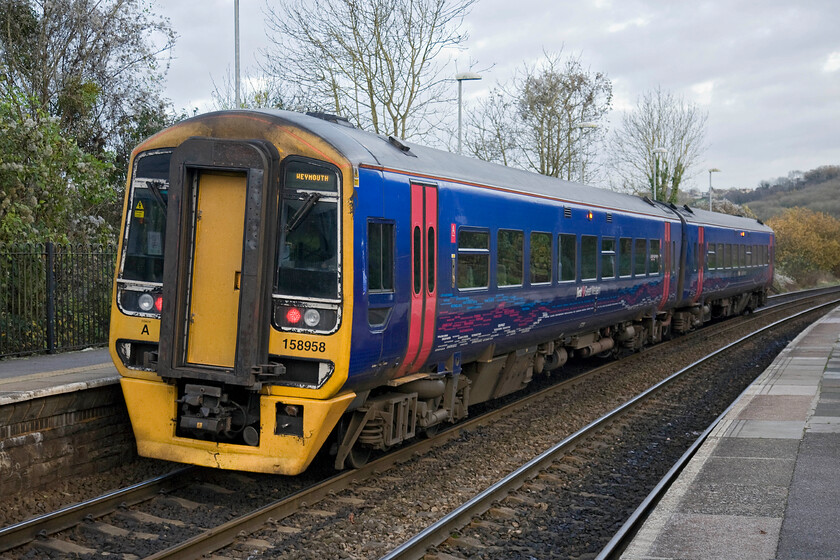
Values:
[(262, 92), (660, 120), (89, 63), (492, 129), (549, 120), (376, 62)]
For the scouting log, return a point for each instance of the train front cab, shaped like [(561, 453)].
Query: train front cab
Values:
[(227, 317)]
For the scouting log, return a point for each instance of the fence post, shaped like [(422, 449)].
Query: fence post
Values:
[(50, 297)]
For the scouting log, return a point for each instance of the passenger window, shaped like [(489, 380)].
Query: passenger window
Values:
[(430, 261), (625, 256), (640, 258), (730, 261), (567, 248), (673, 257), (721, 256), (711, 257), (380, 257), (418, 259), (743, 258), (473, 259), (655, 257), (588, 257), (607, 258), (540, 258), (509, 261)]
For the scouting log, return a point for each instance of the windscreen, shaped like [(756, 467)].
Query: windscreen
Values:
[(146, 219), (307, 263)]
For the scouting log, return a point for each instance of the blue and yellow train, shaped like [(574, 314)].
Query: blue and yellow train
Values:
[(288, 283)]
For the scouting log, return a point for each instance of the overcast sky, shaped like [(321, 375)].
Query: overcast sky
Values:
[(767, 71)]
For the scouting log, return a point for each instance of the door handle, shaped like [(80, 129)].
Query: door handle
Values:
[(237, 279)]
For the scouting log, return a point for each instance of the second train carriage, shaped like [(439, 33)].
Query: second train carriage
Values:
[(284, 277)]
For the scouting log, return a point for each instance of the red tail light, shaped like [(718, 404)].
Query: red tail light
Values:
[(293, 315)]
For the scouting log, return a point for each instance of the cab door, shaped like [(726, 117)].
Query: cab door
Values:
[(216, 269), (221, 231)]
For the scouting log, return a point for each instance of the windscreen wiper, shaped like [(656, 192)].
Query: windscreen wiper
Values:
[(154, 186), (302, 212)]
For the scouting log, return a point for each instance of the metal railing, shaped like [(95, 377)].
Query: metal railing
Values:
[(54, 297)]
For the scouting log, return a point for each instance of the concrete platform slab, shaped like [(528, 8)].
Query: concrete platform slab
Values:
[(828, 409), (810, 525), (757, 448), (686, 536), (785, 429), (746, 471), (802, 390), (765, 407), (736, 499)]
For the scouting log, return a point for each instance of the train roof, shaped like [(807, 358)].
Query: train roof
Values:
[(364, 148)]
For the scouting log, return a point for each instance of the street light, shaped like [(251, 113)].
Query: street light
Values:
[(460, 78), (656, 152), (580, 126), (712, 170), (236, 47)]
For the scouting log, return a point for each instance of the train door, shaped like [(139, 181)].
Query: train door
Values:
[(217, 269), (221, 227), (666, 254), (424, 236), (702, 255)]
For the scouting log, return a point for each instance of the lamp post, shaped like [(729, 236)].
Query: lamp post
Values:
[(460, 78), (656, 153), (712, 170), (236, 48), (580, 126)]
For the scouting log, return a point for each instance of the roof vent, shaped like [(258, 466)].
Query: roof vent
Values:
[(400, 146), (687, 209), (649, 201), (331, 118)]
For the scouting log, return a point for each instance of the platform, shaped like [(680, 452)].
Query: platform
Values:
[(766, 483), (42, 376)]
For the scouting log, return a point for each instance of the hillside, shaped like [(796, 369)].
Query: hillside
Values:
[(817, 190)]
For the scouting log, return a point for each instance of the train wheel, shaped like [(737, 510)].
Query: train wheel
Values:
[(358, 457), (431, 431)]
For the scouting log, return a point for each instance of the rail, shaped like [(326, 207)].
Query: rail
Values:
[(21, 533)]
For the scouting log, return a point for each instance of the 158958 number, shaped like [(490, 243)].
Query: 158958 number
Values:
[(304, 345)]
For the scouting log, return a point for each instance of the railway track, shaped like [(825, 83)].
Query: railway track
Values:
[(208, 522), (525, 488)]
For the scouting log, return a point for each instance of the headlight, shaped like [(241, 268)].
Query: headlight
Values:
[(146, 302), (311, 317)]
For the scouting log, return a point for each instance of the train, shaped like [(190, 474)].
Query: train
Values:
[(289, 285)]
